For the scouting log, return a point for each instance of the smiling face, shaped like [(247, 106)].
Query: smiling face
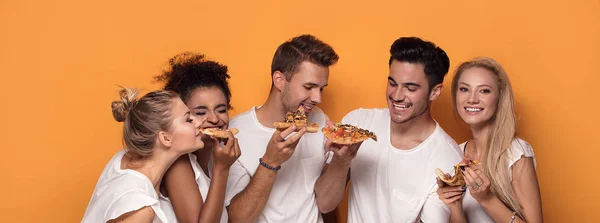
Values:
[(305, 87), (408, 93), (477, 95), (209, 107)]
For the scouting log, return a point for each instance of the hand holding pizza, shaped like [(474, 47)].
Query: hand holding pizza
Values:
[(478, 183), (225, 156), (281, 149), (450, 195), (344, 140)]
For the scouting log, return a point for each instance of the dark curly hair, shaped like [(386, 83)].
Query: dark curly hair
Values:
[(189, 71), (416, 50), (292, 53)]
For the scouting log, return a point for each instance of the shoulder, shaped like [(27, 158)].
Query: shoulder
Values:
[(243, 117), (364, 114), (446, 141), (130, 201), (519, 148)]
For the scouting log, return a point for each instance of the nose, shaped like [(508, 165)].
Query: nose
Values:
[(212, 118), (315, 96), (397, 95), (473, 98)]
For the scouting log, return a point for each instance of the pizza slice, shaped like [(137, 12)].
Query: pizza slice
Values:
[(457, 179), (345, 134), (218, 133), (298, 119)]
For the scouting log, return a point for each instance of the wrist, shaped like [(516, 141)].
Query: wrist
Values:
[(266, 163), (456, 206), (486, 201), (220, 170)]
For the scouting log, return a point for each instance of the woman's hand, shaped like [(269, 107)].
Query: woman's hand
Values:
[(225, 156)]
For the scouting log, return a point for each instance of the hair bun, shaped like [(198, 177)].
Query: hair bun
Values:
[(122, 107)]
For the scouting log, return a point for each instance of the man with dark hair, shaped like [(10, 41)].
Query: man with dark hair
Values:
[(393, 179), (276, 180)]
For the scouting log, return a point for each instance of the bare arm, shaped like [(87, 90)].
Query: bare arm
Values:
[(452, 196), (526, 189), (249, 204), (145, 214), (180, 183), (331, 185)]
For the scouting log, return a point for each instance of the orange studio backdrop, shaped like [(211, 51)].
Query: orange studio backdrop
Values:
[(61, 60)]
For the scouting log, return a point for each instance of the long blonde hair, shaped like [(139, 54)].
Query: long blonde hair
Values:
[(502, 132)]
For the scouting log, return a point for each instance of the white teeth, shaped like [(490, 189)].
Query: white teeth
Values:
[(474, 109), (308, 107), (401, 106)]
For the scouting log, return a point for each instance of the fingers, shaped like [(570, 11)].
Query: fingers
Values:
[(451, 194), (354, 147), (440, 183), (285, 133), (454, 199), (293, 140), (343, 150), (329, 123), (474, 175)]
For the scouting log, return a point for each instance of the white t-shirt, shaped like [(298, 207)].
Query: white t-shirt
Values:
[(292, 197), (392, 185), (203, 182), (473, 211), (119, 191)]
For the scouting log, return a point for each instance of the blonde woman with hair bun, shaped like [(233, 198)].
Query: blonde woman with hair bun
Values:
[(504, 186), (157, 129)]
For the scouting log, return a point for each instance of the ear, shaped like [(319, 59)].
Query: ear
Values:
[(436, 92), (279, 80), (165, 139)]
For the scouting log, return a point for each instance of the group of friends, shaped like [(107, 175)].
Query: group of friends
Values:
[(170, 172)]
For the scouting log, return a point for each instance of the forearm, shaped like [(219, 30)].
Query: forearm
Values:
[(331, 185), (248, 204), (498, 211), (212, 208), (457, 214)]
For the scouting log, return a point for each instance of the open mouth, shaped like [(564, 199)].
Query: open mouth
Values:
[(473, 109), (401, 106), (308, 108)]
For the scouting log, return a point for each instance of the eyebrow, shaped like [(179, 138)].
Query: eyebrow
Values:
[(310, 84), (404, 84), (204, 107), (481, 85), (411, 84), (186, 114)]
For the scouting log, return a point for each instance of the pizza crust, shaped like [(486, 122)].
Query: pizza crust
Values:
[(310, 127), (218, 133), (458, 178)]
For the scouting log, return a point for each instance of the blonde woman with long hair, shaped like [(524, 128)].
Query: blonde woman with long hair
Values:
[(504, 186)]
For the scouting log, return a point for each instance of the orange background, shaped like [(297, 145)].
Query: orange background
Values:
[(60, 61)]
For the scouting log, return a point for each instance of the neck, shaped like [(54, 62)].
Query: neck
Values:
[(480, 137), (417, 129), (153, 166), (271, 111)]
